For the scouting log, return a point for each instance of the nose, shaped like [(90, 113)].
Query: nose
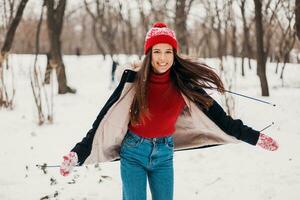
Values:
[(162, 57)]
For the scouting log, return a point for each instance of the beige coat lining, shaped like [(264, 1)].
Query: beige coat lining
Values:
[(193, 129)]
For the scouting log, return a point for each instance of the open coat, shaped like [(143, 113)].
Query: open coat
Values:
[(195, 127)]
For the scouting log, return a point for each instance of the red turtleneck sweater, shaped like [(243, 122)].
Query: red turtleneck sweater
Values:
[(165, 104)]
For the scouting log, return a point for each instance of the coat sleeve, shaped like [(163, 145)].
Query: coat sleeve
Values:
[(83, 148), (233, 127)]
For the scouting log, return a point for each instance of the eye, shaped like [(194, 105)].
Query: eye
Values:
[(169, 52), (155, 51)]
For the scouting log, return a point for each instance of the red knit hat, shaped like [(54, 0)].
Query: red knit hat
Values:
[(160, 33)]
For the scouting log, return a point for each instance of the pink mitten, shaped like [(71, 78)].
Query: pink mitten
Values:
[(70, 161), (267, 142)]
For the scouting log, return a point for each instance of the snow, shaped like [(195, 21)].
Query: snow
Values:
[(236, 171)]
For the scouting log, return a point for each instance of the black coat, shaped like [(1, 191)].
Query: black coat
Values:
[(233, 127)]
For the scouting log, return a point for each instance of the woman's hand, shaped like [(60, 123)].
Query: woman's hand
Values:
[(69, 162), (267, 142)]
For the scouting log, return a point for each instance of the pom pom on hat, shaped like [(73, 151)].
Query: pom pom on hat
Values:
[(160, 33), (159, 25)]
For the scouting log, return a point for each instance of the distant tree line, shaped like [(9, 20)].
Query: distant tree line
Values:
[(206, 28)]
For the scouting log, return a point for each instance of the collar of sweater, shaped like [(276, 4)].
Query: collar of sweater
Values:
[(160, 78)]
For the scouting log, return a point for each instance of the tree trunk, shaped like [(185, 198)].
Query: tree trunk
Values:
[(218, 32), (208, 49), (55, 23), (180, 25), (297, 12), (243, 66), (234, 45), (99, 45), (220, 41), (261, 56), (247, 51), (288, 50), (48, 70)]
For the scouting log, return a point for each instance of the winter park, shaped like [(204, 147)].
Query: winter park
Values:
[(136, 100)]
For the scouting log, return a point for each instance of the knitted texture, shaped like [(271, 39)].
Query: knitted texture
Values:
[(267, 142), (160, 33), (69, 162), (165, 103)]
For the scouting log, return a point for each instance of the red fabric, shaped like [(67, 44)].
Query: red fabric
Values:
[(160, 33), (165, 104)]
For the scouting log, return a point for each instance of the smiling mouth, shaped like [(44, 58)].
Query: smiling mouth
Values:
[(162, 65)]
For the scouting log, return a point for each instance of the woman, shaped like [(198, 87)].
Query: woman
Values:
[(160, 104)]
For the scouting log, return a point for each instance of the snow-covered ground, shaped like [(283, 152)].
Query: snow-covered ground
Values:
[(228, 172)]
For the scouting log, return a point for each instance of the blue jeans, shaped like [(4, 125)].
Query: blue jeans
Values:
[(143, 158)]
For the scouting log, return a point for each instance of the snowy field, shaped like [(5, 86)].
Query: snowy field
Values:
[(228, 172)]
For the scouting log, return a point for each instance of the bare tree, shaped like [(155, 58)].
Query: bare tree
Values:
[(207, 29), (289, 36), (228, 20), (203, 46), (105, 25), (234, 44), (246, 47), (270, 24), (130, 42), (4, 99), (260, 52), (181, 12), (55, 17), (38, 87), (145, 22), (8, 15), (218, 31), (158, 10), (11, 31)]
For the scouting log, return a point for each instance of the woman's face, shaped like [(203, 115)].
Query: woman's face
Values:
[(162, 57)]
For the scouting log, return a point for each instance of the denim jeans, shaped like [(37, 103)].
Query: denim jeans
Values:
[(143, 158)]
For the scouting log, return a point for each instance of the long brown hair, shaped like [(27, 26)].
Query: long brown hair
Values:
[(187, 75)]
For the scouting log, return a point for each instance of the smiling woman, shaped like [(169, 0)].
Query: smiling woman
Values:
[(159, 108), (162, 57)]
